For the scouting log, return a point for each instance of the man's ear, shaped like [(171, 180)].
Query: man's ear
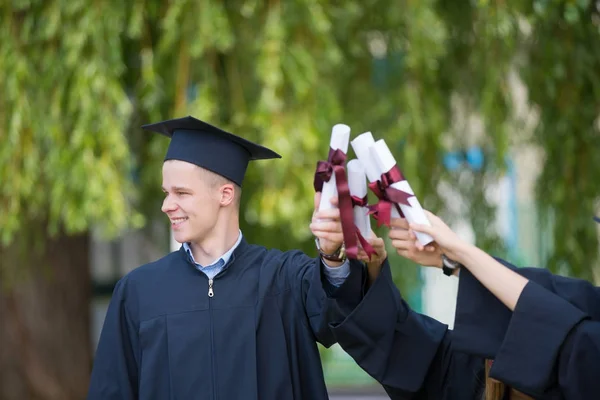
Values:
[(227, 194)]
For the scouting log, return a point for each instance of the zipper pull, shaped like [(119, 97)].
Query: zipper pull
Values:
[(210, 288)]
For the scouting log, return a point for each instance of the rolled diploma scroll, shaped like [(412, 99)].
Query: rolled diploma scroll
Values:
[(414, 214), (357, 182), (340, 136), (361, 145)]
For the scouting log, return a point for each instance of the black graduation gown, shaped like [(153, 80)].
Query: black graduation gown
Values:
[(548, 348), (410, 354), (165, 338)]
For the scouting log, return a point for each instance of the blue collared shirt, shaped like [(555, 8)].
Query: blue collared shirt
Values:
[(216, 267), (335, 275)]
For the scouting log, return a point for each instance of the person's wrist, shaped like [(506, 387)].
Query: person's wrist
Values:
[(327, 247), (464, 252), (330, 248), (377, 261), (333, 256)]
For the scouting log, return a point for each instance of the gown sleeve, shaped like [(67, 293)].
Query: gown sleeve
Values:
[(410, 354), (579, 362), (115, 372), (482, 320), (546, 333), (316, 295)]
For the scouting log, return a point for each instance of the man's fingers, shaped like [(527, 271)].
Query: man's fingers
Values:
[(412, 234), (362, 255), (399, 234), (333, 213), (430, 230), (411, 247), (329, 236), (317, 200), (326, 226), (403, 244), (404, 253), (376, 242)]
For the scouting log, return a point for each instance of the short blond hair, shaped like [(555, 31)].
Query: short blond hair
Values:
[(215, 180)]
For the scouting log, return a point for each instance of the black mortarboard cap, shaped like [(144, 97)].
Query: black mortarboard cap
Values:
[(209, 147)]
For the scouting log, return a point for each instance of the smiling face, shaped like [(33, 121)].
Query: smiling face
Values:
[(192, 201)]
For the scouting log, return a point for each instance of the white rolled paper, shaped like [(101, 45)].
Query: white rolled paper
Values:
[(357, 183), (414, 213), (340, 137), (361, 145)]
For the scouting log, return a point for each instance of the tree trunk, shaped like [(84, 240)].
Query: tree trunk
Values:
[(45, 351)]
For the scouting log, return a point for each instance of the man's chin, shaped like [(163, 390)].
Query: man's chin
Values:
[(181, 238)]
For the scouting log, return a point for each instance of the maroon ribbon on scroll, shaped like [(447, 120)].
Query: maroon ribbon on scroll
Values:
[(388, 196), (335, 164), (362, 202)]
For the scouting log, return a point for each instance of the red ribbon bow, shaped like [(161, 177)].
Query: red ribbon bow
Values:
[(325, 169), (388, 196)]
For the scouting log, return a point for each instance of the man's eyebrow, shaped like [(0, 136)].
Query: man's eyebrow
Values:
[(177, 188)]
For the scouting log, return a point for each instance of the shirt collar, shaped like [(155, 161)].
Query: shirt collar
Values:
[(224, 258)]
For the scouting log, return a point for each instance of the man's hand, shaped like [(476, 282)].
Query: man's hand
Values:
[(327, 226), (374, 265), (379, 247), (405, 243)]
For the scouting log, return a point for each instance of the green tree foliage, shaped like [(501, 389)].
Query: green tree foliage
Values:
[(77, 81), (560, 68)]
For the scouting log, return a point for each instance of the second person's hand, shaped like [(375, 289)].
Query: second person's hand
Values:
[(406, 245)]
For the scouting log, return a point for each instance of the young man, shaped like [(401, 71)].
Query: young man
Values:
[(221, 318)]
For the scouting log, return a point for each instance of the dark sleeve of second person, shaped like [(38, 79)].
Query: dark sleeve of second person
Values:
[(549, 346), (482, 320), (410, 354)]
